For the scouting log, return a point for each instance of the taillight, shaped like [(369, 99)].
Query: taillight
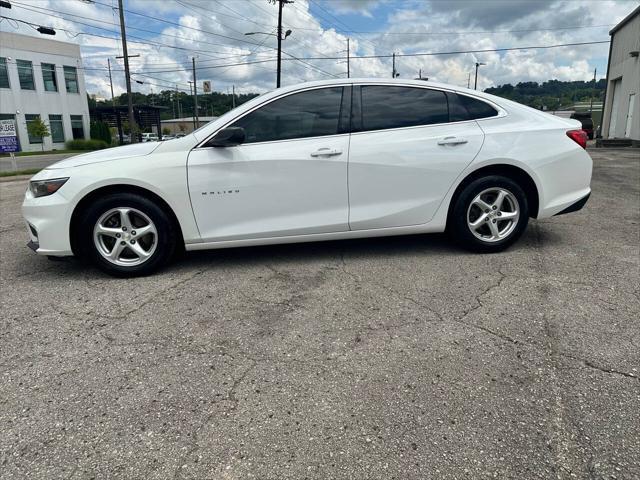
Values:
[(578, 136)]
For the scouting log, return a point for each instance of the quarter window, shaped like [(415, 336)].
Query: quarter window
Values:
[(312, 113), (77, 127), (71, 79), (4, 74), (386, 107), (56, 128), (49, 77), (477, 108), (25, 75)]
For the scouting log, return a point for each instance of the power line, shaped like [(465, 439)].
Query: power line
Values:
[(145, 41)]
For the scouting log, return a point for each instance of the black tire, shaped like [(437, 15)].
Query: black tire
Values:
[(458, 225), (163, 243)]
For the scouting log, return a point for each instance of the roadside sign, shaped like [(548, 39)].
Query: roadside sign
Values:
[(8, 137), (206, 86)]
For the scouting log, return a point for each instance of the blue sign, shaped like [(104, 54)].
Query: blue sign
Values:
[(8, 138)]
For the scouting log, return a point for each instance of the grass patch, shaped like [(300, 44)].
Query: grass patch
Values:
[(29, 171)]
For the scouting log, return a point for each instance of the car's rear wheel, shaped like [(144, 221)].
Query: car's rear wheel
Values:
[(489, 214), (126, 235)]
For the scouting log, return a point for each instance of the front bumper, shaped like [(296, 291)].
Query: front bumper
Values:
[(47, 221)]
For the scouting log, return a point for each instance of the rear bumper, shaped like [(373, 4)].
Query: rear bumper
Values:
[(574, 207)]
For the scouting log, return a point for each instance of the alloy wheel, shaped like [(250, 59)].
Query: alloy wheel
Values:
[(493, 214), (125, 236)]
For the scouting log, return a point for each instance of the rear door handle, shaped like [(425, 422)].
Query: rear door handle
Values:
[(326, 152), (452, 141)]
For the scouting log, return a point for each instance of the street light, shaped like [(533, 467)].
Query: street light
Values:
[(475, 85), (280, 39)]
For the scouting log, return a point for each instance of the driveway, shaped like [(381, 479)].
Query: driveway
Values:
[(389, 358)]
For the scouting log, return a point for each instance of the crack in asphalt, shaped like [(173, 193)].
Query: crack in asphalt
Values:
[(231, 397)]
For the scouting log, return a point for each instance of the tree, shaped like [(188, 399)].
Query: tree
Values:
[(37, 128), (166, 131), (100, 131)]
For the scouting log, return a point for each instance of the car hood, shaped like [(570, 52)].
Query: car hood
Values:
[(135, 150)]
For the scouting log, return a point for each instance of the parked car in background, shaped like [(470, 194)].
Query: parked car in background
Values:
[(316, 161), (587, 122), (168, 137), (149, 137)]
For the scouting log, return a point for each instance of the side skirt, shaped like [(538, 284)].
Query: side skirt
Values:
[(319, 237)]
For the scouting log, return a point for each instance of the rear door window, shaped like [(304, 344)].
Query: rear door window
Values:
[(385, 107)]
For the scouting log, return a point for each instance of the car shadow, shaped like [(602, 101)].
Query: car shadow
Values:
[(407, 245), (438, 244)]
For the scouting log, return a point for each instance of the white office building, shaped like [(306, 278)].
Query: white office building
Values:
[(41, 77)]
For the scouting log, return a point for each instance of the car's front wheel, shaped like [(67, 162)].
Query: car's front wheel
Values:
[(489, 214), (126, 235)]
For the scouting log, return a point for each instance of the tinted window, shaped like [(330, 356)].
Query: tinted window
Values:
[(49, 77), (56, 128), (477, 108), (308, 114), (77, 127), (4, 74), (394, 107), (71, 79), (25, 75), (457, 111)]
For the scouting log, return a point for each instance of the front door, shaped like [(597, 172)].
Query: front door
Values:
[(288, 178), (407, 155)]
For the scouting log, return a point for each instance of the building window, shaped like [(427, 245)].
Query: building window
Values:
[(25, 74), (29, 119), (4, 74), (71, 79), (56, 128), (49, 77), (77, 127)]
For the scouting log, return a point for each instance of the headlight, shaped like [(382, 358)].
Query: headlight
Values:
[(42, 188)]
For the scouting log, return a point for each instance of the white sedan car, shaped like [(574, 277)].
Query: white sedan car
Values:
[(317, 161)]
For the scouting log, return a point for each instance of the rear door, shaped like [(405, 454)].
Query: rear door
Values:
[(408, 146), (288, 178)]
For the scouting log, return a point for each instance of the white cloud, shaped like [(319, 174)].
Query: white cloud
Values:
[(214, 32)]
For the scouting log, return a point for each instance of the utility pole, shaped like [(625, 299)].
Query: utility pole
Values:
[(475, 86), (233, 97), (348, 59), (280, 4), (123, 34), (195, 93), (178, 105), (193, 116), (595, 70), (113, 99), (469, 80), (393, 72)]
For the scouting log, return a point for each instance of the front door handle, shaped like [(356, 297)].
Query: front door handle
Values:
[(326, 152), (452, 141)]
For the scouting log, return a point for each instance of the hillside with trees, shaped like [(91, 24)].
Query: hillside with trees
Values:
[(552, 94)]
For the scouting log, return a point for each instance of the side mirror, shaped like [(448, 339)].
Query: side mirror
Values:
[(227, 137)]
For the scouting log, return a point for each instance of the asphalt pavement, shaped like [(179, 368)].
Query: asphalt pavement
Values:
[(388, 358)]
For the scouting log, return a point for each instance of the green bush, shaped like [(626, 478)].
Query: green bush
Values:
[(86, 144), (100, 131)]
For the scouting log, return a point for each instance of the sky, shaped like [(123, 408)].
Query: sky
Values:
[(167, 34)]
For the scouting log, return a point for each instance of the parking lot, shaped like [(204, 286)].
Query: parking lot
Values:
[(389, 358)]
